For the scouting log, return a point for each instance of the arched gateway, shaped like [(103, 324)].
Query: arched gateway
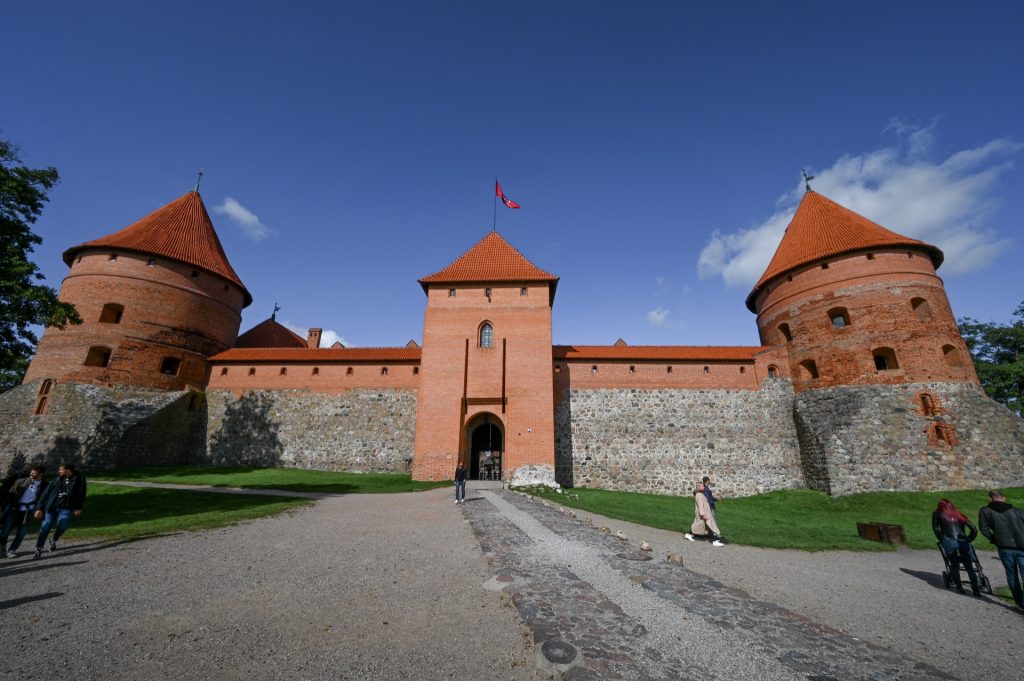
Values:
[(485, 440)]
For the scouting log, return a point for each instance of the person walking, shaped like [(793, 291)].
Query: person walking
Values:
[(704, 525), (1003, 525), (19, 503), (949, 526), (460, 484), (712, 499), (62, 500)]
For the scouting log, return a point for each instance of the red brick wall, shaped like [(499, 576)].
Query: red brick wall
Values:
[(524, 324), (332, 378), (167, 313), (877, 291)]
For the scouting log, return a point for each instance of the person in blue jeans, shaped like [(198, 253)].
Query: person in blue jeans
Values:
[(19, 503), (460, 484), (62, 500), (1003, 525), (955, 534)]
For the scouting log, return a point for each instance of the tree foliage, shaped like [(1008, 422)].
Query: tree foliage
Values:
[(24, 302), (998, 353)]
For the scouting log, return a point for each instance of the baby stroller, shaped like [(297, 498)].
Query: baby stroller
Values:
[(947, 579)]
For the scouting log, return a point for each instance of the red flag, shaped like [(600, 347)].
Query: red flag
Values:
[(501, 195)]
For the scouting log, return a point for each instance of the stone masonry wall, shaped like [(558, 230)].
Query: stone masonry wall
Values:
[(663, 441), (368, 431), (96, 427), (924, 436)]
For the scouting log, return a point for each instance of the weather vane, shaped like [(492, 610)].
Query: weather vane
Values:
[(198, 180), (807, 180), (277, 308)]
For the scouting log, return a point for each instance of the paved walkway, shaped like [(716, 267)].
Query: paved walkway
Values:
[(410, 586)]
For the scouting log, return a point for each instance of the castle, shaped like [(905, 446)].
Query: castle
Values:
[(861, 382)]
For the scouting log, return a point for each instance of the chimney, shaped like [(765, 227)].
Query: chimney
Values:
[(313, 341)]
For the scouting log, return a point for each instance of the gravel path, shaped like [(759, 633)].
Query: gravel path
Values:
[(352, 587), (250, 491)]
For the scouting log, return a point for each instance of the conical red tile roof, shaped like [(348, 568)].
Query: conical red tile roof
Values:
[(181, 230), (492, 259), (820, 229), (270, 334)]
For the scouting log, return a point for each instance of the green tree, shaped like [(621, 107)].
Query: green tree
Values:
[(24, 302), (998, 353)]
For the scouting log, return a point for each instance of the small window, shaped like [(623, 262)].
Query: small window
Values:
[(668, 370), (927, 404), (98, 356), (773, 372), (79, 259), (558, 368), (151, 262), (707, 370), (824, 265), (170, 366), (252, 371), (871, 256), (524, 291), (786, 333), (885, 359), (383, 371), (113, 257), (415, 370), (909, 254), (43, 397), (486, 336), (809, 370), (922, 310), (223, 371), (451, 293), (284, 371), (316, 371), (839, 317), (593, 369), (743, 370), (789, 277), (487, 292), (348, 371), (632, 369), (195, 274), (952, 356), (111, 313)]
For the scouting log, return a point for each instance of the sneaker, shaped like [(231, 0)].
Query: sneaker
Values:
[(11, 554), (689, 537), (53, 546), (38, 554), (718, 542)]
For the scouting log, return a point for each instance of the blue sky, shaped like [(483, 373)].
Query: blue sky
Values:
[(351, 148)]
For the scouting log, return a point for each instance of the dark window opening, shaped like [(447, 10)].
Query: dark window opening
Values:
[(927, 405), (151, 262), (316, 371), (252, 371), (952, 356), (885, 359), (632, 369), (810, 369), (415, 370), (839, 316), (558, 368), (194, 401), (669, 371), (41, 405), (707, 370), (223, 371), (98, 356), (871, 256), (487, 292), (170, 366), (523, 291), (451, 293), (922, 310), (226, 288), (383, 371), (786, 333), (773, 372), (824, 265), (743, 370), (593, 369), (113, 257), (284, 371), (195, 274), (111, 313), (348, 371)]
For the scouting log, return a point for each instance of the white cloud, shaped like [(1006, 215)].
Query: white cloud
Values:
[(243, 217), (942, 202), (327, 338), (658, 316)]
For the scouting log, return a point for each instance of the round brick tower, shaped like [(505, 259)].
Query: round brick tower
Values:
[(857, 304), (157, 299)]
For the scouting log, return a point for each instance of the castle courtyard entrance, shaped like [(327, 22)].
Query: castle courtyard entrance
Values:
[(486, 447)]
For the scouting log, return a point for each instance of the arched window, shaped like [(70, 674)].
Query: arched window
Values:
[(921, 308), (839, 317), (927, 404), (786, 333), (111, 313), (952, 355), (885, 359), (773, 371), (486, 335), (43, 397), (808, 369), (170, 366), (98, 356)]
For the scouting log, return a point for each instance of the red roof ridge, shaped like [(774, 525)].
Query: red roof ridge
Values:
[(383, 354), (822, 228), (270, 333), (181, 230), (492, 259), (657, 352)]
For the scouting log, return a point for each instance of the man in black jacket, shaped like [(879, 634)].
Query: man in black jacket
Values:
[(19, 502), (1003, 525), (63, 499)]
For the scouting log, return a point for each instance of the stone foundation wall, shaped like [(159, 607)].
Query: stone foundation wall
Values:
[(875, 438), (358, 430), (96, 427), (663, 441)]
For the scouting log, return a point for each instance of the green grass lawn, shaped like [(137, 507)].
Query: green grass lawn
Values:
[(793, 519), (293, 479), (115, 512)]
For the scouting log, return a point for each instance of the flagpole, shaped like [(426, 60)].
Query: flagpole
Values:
[(494, 221)]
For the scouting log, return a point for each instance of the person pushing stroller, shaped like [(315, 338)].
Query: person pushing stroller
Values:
[(949, 525)]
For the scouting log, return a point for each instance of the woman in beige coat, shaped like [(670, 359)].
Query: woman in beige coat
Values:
[(704, 525)]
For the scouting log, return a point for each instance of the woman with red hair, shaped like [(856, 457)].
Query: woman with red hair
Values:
[(949, 525)]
